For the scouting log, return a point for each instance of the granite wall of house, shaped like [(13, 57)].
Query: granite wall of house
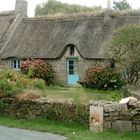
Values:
[(6, 63), (60, 67)]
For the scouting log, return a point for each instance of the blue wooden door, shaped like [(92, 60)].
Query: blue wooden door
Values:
[(72, 71)]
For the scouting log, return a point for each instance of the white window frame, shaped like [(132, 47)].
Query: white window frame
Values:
[(16, 64)]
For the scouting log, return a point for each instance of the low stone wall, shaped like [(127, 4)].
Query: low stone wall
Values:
[(104, 115), (61, 110), (116, 116)]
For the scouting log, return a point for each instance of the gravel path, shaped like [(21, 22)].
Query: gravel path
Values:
[(20, 134)]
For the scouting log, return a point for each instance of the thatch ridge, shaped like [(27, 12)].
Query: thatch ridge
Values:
[(6, 13), (90, 15)]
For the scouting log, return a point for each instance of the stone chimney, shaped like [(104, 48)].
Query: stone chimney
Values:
[(21, 7), (108, 4)]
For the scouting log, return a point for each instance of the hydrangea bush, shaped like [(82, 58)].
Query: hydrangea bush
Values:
[(102, 77), (37, 68)]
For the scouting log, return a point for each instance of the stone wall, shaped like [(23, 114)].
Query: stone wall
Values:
[(60, 110), (116, 116), (6, 63), (60, 67), (104, 115)]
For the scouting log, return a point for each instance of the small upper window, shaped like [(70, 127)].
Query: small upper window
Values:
[(112, 64), (72, 50), (16, 64)]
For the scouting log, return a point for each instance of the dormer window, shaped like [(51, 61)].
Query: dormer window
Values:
[(15, 64), (72, 50)]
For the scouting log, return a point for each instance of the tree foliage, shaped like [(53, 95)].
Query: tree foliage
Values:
[(121, 5), (51, 7), (125, 49)]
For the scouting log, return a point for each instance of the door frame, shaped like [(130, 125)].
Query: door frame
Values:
[(72, 78)]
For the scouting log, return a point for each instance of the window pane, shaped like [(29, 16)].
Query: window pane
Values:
[(71, 67), (70, 62), (18, 63), (72, 50), (14, 65), (71, 72)]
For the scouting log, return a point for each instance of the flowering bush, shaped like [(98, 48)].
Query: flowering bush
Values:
[(101, 77), (37, 68), (12, 82)]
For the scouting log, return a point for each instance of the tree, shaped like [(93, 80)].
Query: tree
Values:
[(121, 5), (125, 50), (51, 7)]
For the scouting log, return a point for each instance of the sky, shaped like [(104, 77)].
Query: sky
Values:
[(10, 4)]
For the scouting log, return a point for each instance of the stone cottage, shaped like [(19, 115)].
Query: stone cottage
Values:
[(70, 43)]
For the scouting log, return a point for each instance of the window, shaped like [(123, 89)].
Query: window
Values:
[(16, 64), (72, 50), (125, 73), (73, 67), (112, 65)]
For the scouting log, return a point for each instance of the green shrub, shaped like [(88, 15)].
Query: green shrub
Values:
[(38, 83), (67, 112), (2, 106), (101, 77), (37, 68), (12, 82)]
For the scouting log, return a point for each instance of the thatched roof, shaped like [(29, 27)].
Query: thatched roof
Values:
[(48, 37), (6, 19)]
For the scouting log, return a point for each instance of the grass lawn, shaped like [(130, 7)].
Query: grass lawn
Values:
[(79, 94), (71, 131)]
